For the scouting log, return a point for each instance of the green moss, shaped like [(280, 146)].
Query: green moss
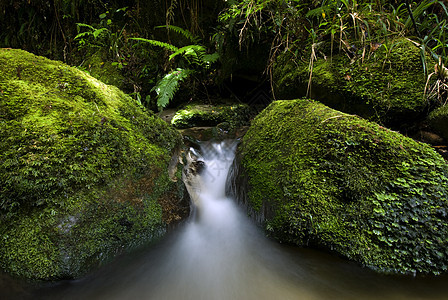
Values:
[(71, 146), (108, 72), (386, 86), (325, 178), (210, 115), (438, 119)]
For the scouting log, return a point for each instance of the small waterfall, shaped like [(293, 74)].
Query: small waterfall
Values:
[(220, 254)]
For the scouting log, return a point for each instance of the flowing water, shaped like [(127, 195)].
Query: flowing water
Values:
[(220, 254)]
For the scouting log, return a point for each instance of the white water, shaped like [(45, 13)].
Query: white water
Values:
[(220, 254)]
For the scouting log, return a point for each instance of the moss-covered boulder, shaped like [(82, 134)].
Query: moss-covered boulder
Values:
[(319, 177), (438, 119), (384, 83), (83, 170), (108, 72), (229, 116)]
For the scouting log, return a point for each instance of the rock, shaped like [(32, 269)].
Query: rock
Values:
[(438, 119), (429, 138), (83, 170), (384, 86), (201, 115), (192, 136), (315, 176)]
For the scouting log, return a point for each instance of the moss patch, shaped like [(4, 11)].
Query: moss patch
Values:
[(83, 169), (439, 121), (210, 115), (386, 86), (325, 178)]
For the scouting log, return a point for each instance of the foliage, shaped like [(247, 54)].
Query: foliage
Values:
[(106, 36), (169, 85), (353, 28), (386, 88), (192, 59), (360, 27), (251, 24), (323, 178)]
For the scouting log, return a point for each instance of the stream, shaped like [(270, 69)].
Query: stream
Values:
[(220, 254)]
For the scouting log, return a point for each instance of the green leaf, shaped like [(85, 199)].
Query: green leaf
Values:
[(196, 52), (157, 43), (187, 34), (168, 86), (97, 32)]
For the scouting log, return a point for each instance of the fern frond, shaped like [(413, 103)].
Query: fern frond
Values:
[(82, 35), (315, 12), (211, 58), (187, 34), (197, 52), (169, 85), (98, 32), (86, 25), (157, 43)]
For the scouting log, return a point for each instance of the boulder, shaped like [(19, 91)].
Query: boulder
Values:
[(438, 119), (314, 176), (384, 84), (229, 116), (83, 170)]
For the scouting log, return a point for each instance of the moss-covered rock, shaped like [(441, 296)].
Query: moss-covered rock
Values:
[(199, 115), (83, 170), (316, 176), (386, 85), (104, 70), (438, 119)]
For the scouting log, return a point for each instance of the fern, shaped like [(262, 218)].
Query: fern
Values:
[(196, 52), (187, 34), (92, 31), (211, 58), (195, 56), (157, 43), (168, 86), (315, 12)]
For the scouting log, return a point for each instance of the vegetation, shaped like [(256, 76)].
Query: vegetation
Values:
[(349, 28), (388, 87), (323, 178), (230, 116), (194, 59)]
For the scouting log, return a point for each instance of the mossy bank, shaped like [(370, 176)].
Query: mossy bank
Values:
[(319, 177), (385, 84), (83, 170)]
